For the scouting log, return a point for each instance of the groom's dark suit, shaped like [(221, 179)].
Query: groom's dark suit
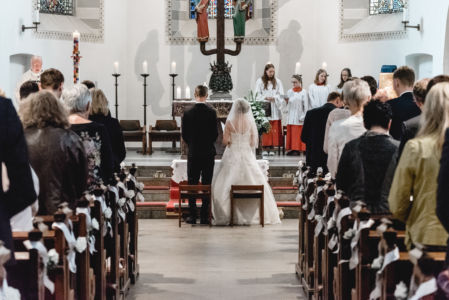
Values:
[(199, 131)]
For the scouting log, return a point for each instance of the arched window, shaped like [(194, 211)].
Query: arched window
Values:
[(378, 7)]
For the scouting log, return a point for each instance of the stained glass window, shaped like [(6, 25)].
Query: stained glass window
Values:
[(212, 9), (59, 7), (378, 7)]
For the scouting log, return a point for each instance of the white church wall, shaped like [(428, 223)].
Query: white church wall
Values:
[(97, 60), (308, 31)]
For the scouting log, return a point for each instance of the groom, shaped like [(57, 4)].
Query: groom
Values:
[(199, 131)]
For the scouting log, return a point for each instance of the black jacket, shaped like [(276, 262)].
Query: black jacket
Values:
[(362, 170), (57, 156), (404, 108), (116, 135), (410, 129), (14, 154), (199, 130), (97, 146), (312, 135)]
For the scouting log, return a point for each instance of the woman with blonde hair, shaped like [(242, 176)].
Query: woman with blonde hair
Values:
[(56, 153), (99, 112), (412, 197)]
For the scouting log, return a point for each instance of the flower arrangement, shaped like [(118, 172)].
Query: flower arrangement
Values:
[(262, 122)]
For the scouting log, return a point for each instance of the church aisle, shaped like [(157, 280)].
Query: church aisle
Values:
[(217, 263)]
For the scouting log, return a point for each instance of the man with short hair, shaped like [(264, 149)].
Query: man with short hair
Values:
[(27, 88), (199, 131), (90, 84), (52, 80), (410, 127), (313, 131), (33, 74), (364, 162), (372, 84), (403, 107)]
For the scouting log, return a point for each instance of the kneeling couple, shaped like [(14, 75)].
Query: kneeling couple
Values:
[(238, 165)]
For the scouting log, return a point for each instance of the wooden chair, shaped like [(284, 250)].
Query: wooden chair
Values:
[(133, 132), (247, 192), (163, 131), (202, 192)]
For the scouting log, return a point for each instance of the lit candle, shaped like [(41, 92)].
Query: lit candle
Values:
[(76, 35), (36, 16), (116, 68), (405, 15), (324, 65), (298, 68), (76, 40), (145, 67), (178, 92), (187, 92), (173, 67)]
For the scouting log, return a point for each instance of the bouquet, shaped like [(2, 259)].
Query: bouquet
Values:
[(262, 122)]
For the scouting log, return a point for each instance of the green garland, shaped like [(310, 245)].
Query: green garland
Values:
[(262, 122)]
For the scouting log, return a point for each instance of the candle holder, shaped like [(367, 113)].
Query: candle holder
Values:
[(145, 99), (116, 94), (417, 27), (36, 24), (173, 76)]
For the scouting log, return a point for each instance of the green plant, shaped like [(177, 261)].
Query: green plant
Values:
[(262, 122)]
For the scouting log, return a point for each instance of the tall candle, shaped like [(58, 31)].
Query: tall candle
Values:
[(405, 15), (116, 69), (324, 65), (76, 39), (76, 35), (36, 16), (173, 67), (178, 92), (145, 67), (298, 68), (187, 92)]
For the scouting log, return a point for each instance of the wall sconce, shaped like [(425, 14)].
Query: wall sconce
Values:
[(35, 22), (405, 21)]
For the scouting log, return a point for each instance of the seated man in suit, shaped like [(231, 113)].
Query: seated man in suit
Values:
[(403, 107), (313, 131)]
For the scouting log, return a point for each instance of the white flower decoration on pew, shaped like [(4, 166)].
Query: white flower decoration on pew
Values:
[(81, 244), (121, 201), (401, 292), (377, 262), (349, 234), (107, 213), (95, 224), (129, 194), (122, 165), (53, 257), (140, 186)]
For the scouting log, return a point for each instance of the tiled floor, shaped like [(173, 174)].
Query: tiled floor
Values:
[(198, 262)]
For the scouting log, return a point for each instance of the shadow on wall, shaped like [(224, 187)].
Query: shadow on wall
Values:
[(149, 50), (290, 48), (198, 70)]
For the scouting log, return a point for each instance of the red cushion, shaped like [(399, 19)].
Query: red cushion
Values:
[(155, 187), (151, 204), (284, 188), (288, 204)]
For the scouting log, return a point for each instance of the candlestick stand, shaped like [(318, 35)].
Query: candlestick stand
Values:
[(173, 93), (116, 94)]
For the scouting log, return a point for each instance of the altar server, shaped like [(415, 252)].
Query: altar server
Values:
[(269, 88), (297, 106), (319, 90)]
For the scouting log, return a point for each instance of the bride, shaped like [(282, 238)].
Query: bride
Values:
[(239, 167)]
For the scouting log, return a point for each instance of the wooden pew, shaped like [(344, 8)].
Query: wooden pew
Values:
[(27, 274), (133, 224), (113, 251), (302, 217), (98, 259)]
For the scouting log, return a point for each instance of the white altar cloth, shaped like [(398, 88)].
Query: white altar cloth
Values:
[(179, 167)]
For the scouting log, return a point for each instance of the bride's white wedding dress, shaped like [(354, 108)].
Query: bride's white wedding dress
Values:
[(239, 167)]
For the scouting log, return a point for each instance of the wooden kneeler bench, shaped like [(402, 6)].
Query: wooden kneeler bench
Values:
[(247, 192), (202, 192)]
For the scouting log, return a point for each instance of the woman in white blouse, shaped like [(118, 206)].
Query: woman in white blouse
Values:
[(297, 106), (319, 90), (269, 88)]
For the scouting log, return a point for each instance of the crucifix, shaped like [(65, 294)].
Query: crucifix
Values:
[(220, 82)]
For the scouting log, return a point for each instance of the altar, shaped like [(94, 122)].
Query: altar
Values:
[(179, 167), (222, 107)]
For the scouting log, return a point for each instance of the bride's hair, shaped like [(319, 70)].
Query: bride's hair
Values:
[(242, 106)]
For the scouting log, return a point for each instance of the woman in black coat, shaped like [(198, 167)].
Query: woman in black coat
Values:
[(100, 113)]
